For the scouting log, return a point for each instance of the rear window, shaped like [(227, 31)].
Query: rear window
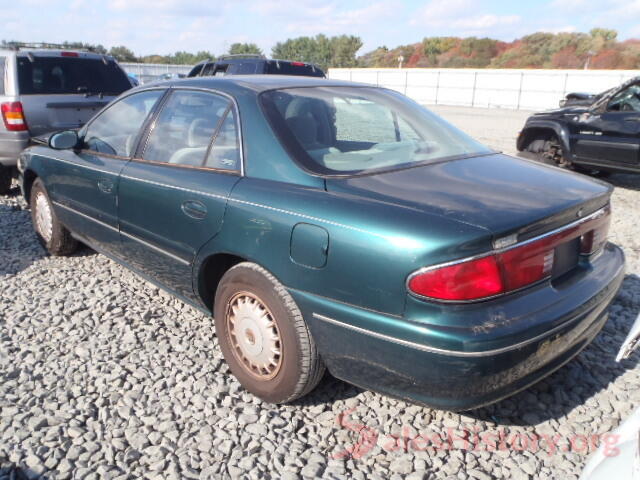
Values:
[(293, 68), (61, 75), (355, 130)]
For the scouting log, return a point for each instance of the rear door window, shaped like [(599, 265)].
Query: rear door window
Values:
[(65, 75), (293, 68), (184, 128)]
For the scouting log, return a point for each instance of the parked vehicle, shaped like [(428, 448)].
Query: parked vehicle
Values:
[(599, 138), (45, 89), (619, 455), (253, 64), (328, 223)]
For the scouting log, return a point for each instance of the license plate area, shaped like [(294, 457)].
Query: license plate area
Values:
[(566, 258)]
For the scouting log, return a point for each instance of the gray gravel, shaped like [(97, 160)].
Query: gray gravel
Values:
[(104, 376)]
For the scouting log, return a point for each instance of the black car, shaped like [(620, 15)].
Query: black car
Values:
[(598, 138), (253, 64)]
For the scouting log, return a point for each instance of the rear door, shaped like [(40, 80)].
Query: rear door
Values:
[(613, 136), (84, 184), (63, 90), (172, 198)]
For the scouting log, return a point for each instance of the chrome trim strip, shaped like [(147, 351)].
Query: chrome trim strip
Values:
[(157, 249), (132, 237), (88, 217), (593, 216), (441, 351)]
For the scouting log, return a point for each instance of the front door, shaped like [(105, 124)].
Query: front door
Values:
[(611, 137), (172, 198), (84, 183)]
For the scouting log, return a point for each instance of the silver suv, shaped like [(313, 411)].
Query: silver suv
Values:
[(44, 89)]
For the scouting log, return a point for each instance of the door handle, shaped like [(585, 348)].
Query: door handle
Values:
[(194, 209), (632, 119), (105, 185)]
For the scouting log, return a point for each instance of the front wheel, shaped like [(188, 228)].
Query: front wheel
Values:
[(53, 236), (263, 337)]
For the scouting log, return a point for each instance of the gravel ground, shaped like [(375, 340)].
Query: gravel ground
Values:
[(104, 376)]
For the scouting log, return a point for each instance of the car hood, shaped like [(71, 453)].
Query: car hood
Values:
[(496, 192)]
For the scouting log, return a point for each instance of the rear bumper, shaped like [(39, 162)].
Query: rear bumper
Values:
[(462, 357), (11, 144)]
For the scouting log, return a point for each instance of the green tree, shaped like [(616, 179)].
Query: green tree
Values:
[(244, 48), (324, 51), (123, 54)]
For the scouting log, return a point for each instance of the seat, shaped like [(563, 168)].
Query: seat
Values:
[(198, 138)]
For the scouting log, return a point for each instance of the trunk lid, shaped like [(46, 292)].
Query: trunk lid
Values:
[(500, 193), (62, 90)]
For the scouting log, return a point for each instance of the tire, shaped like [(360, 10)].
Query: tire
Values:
[(6, 175), (254, 314), (52, 235)]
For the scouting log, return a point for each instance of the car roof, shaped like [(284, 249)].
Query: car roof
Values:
[(49, 52), (256, 83)]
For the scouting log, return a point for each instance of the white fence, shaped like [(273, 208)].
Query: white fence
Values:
[(154, 69), (503, 88)]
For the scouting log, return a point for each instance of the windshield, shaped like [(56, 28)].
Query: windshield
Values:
[(61, 75), (353, 130)]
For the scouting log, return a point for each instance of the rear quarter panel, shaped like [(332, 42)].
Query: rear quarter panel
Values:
[(372, 246)]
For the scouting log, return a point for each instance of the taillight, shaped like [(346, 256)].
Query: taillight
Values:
[(298, 64), (509, 269), (69, 54), (13, 116)]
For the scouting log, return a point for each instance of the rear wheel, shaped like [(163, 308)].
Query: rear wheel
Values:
[(263, 337), (53, 236), (6, 175)]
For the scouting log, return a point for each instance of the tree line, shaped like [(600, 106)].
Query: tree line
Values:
[(599, 48)]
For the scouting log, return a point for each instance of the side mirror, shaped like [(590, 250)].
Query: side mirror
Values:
[(64, 140)]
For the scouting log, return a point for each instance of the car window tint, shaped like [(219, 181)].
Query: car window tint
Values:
[(2, 62), (628, 100), (63, 75), (184, 128), (115, 130), (225, 150), (246, 68)]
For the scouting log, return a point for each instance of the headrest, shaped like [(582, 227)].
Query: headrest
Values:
[(199, 133), (304, 128)]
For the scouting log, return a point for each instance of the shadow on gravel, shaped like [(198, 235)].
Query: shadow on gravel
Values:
[(592, 371), (329, 390), (19, 473), (627, 181)]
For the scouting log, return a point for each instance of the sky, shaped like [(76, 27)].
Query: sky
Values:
[(166, 26)]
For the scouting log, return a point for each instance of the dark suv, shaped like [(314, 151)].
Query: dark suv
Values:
[(44, 89), (253, 64)]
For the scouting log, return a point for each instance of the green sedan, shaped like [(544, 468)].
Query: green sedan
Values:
[(339, 226)]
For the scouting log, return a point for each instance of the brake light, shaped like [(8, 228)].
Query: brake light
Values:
[(298, 64), (509, 269), (69, 54), (13, 116)]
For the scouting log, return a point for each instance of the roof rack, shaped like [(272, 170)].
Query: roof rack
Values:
[(44, 45), (241, 55)]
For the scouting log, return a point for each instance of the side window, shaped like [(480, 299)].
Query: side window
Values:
[(628, 100), (183, 130), (225, 150), (114, 132), (2, 62)]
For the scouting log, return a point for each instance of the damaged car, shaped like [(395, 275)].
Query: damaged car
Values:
[(330, 224), (599, 138)]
